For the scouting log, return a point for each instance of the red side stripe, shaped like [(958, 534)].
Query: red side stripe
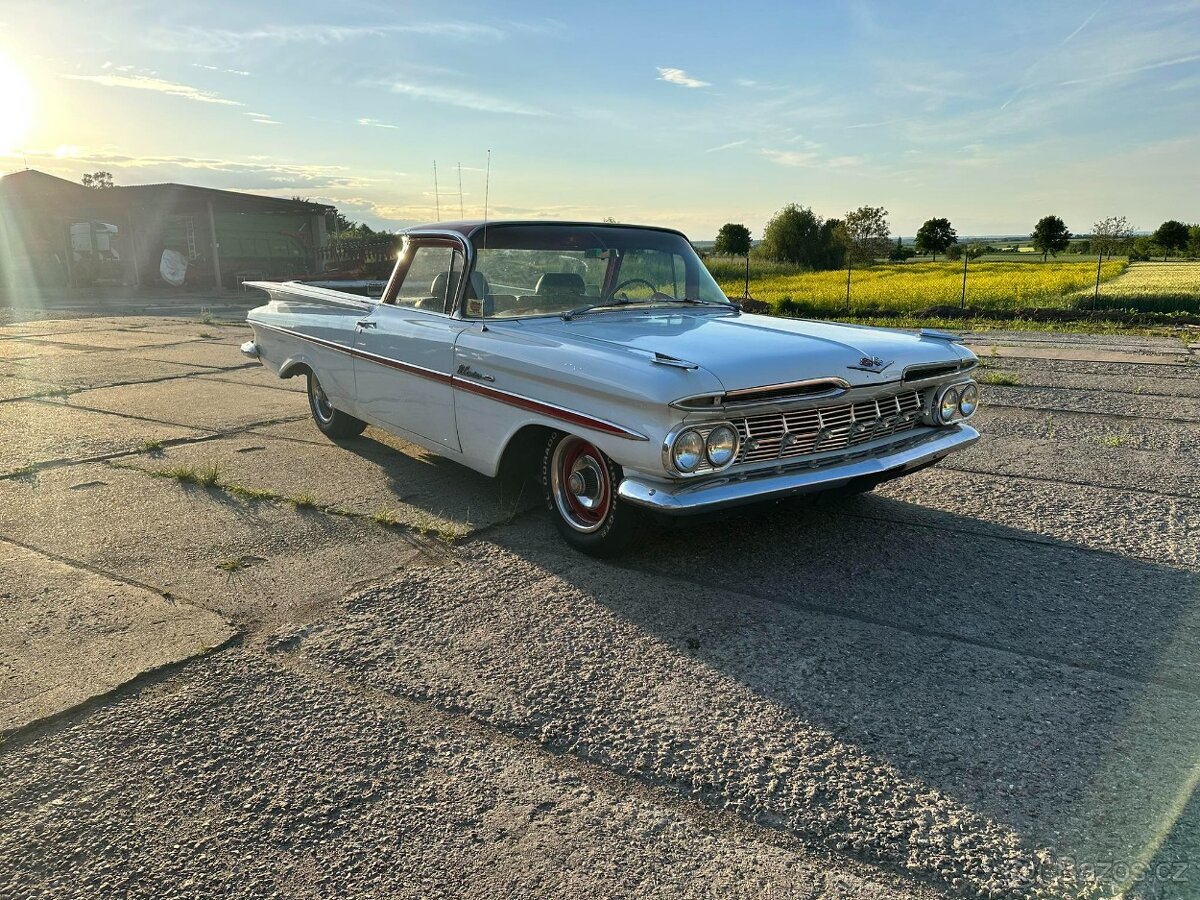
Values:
[(526, 403)]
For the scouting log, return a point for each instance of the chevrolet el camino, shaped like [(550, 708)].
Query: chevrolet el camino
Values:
[(605, 359)]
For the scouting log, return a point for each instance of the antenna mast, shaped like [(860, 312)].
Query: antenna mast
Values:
[(461, 214), (437, 203), (487, 183)]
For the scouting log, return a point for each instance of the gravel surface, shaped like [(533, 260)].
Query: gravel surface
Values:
[(245, 779)]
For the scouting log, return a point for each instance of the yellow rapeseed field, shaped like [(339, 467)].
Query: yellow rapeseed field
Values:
[(914, 286)]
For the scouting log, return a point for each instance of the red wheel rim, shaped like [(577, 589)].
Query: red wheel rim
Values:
[(581, 484)]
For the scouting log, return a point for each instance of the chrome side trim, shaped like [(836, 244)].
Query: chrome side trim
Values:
[(550, 410), (723, 491)]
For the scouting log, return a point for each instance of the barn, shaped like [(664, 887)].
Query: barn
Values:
[(56, 233)]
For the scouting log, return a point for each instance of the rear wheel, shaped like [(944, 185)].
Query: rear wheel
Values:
[(580, 487), (332, 422)]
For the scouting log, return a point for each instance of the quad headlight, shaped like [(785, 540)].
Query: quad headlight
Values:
[(687, 451), (956, 402), (968, 401), (721, 445), (948, 407), (702, 448)]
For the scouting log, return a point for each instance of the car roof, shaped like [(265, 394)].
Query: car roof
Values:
[(468, 227)]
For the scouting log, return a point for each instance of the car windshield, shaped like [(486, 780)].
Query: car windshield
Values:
[(532, 270)]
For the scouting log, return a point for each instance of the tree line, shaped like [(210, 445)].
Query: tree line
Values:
[(801, 237)]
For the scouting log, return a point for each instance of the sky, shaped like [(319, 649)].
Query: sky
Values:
[(680, 114)]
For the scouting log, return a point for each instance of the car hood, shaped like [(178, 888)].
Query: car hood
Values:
[(746, 351)]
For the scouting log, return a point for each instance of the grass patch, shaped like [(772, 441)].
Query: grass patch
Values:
[(303, 501), (205, 476), (252, 494), (1113, 440), (1006, 379), (206, 317), (55, 392), (26, 471), (152, 446), (386, 517)]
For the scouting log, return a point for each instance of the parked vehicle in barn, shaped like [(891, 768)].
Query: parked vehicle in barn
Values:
[(606, 358)]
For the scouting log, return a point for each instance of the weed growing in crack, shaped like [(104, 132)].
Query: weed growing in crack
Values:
[(1000, 378), (204, 476)]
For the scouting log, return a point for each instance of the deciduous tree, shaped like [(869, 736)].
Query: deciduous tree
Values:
[(732, 240), (797, 235), (935, 236), (1050, 235), (98, 180), (1171, 235), (1110, 236)]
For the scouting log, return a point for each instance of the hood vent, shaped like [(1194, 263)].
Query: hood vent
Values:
[(934, 370), (795, 390)]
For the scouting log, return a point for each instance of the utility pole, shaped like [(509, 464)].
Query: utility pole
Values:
[(1096, 294), (216, 247)]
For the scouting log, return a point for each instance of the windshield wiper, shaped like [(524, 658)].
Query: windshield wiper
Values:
[(696, 301), (580, 310)]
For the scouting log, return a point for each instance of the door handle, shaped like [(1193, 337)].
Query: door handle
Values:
[(367, 323)]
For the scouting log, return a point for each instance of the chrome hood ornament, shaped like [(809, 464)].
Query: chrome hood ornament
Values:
[(871, 364)]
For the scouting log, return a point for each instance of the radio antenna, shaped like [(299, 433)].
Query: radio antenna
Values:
[(461, 214), (487, 183), (437, 203)]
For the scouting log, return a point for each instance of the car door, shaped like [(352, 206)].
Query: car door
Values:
[(404, 349)]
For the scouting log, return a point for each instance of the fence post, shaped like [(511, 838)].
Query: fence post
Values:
[(1096, 294), (963, 302), (849, 265)]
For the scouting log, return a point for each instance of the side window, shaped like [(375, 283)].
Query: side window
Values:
[(432, 277)]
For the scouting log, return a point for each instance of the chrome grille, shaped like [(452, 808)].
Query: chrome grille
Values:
[(784, 435)]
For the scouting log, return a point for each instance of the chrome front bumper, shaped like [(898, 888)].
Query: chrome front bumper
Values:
[(250, 350), (707, 494)]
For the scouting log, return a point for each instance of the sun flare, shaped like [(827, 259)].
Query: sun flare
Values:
[(16, 104)]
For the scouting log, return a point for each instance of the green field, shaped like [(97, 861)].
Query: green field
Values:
[(912, 287)]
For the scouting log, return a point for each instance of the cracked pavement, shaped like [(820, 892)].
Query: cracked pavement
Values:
[(358, 670)]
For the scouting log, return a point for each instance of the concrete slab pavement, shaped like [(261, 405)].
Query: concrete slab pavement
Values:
[(36, 432), (68, 634), (249, 561)]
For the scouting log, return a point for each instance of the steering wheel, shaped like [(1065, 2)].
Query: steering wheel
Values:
[(655, 292)]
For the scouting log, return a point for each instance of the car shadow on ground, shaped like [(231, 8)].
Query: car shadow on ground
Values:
[(1047, 686)]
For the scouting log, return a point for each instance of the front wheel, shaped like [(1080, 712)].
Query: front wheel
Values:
[(580, 489), (332, 422)]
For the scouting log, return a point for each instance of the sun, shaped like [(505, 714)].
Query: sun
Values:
[(16, 104)]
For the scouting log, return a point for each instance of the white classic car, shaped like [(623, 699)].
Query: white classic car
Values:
[(605, 359)]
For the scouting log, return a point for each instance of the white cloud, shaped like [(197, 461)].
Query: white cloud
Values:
[(225, 41), (791, 157), (375, 123), (728, 146), (158, 85), (681, 78), (465, 99), (215, 69)]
